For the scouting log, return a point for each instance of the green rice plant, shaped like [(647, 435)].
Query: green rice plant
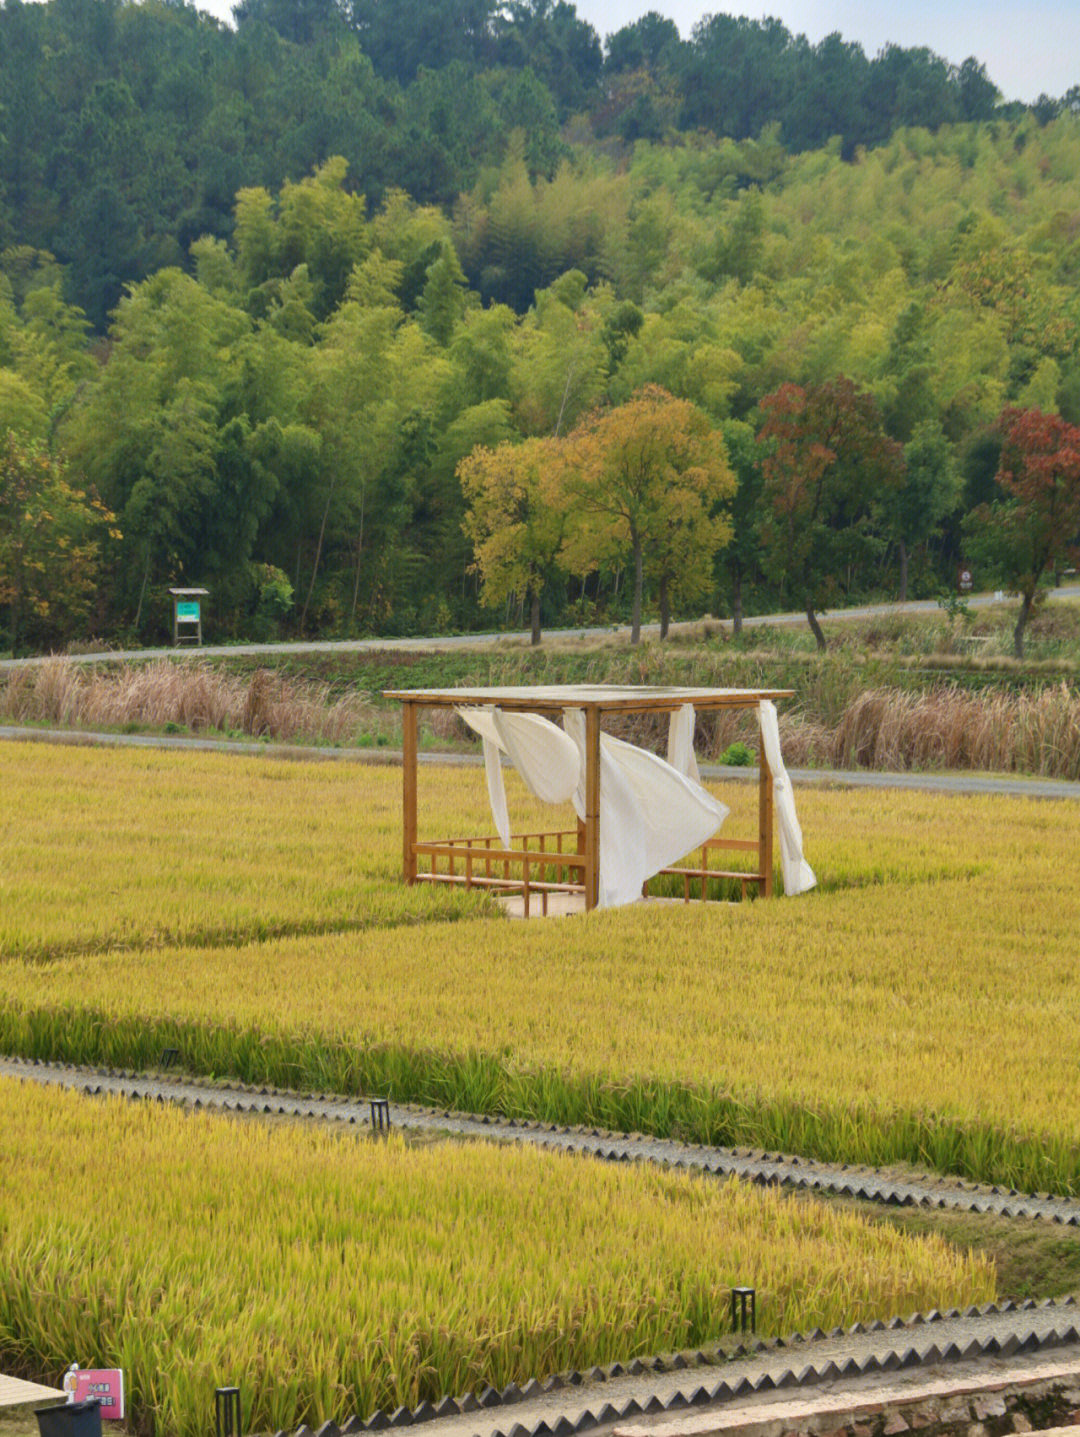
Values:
[(326, 1275)]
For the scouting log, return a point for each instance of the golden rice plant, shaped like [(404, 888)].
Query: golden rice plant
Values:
[(919, 1006), (125, 848), (327, 1275)]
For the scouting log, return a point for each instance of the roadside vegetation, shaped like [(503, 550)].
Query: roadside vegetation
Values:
[(898, 692)]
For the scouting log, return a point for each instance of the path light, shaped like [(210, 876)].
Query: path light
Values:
[(743, 1309), (227, 1411), (380, 1114)]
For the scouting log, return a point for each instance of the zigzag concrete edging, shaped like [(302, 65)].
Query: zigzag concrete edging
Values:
[(577, 1402), (843, 1179)]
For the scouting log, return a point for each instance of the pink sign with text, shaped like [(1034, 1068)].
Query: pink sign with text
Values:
[(104, 1383)]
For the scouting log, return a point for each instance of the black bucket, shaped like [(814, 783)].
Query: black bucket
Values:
[(70, 1419)]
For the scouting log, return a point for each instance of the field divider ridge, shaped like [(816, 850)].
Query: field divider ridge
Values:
[(671, 1385), (865, 1184)]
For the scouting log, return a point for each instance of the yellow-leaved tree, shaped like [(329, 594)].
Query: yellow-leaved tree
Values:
[(517, 518), (650, 477)]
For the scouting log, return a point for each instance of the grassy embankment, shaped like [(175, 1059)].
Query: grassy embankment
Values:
[(904, 692)]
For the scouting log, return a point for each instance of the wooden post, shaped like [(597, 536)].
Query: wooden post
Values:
[(765, 820), (408, 807), (592, 807)]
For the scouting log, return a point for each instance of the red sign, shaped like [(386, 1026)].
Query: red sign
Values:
[(963, 579), (104, 1383)]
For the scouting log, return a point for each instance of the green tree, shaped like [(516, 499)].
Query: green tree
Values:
[(51, 535), (928, 493), (517, 517)]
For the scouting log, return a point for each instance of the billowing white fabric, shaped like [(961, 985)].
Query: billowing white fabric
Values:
[(482, 722), (798, 875), (650, 815), (547, 759), (680, 743)]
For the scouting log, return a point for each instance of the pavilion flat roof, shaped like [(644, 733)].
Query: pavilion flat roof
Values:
[(607, 698)]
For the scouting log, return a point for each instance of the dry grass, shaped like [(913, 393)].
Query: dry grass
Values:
[(950, 728), (187, 696)]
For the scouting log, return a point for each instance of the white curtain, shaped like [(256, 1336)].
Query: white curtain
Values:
[(546, 758), (680, 743), (798, 875), (650, 815), (482, 722)]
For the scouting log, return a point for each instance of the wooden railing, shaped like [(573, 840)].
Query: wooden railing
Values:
[(541, 863), (705, 873), (524, 868)]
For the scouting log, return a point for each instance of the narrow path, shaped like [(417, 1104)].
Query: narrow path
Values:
[(829, 777), (468, 641)]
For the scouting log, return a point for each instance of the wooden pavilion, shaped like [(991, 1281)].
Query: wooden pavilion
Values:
[(568, 861)]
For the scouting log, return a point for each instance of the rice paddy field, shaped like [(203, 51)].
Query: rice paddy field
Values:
[(376, 1276), (919, 1007)]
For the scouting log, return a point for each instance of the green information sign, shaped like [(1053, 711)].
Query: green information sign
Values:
[(187, 611)]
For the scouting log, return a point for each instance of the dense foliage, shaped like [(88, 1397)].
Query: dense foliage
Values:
[(128, 128), (334, 259)]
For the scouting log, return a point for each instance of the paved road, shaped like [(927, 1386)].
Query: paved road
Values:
[(464, 641), (841, 778)]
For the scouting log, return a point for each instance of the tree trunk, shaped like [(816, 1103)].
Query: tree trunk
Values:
[(665, 608), (359, 548), (16, 606), (903, 571), (1026, 606), (639, 584), (142, 589), (534, 617), (815, 628), (736, 603), (318, 557)]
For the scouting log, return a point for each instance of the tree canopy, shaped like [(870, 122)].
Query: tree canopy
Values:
[(266, 293)]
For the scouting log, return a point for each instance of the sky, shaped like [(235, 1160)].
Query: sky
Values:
[(1029, 47)]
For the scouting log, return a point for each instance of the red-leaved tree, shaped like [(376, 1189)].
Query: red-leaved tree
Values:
[(1035, 525), (828, 468)]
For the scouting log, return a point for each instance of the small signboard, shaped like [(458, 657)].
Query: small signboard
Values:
[(107, 1385), (187, 612), (964, 580)]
